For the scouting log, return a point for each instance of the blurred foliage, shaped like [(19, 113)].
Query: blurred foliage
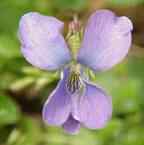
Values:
[(70, 5), (9, 111), (126, 2), (23, 88)]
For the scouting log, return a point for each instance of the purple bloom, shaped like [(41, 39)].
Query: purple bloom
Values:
[(76, 101)]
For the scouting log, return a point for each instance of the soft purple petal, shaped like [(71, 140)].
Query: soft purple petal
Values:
[(58, 106), (42, 42), (95, 107), (106, 41), (71, 126)]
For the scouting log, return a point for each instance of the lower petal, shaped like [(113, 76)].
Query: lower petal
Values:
[(95, 107), (71, 126), (57, 108)]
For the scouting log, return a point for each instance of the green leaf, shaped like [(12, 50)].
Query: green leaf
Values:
[(9, 112)]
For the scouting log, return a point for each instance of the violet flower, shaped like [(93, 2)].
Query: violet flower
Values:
[(76, 101)]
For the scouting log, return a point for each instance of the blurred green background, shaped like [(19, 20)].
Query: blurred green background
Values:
[(23, 88)]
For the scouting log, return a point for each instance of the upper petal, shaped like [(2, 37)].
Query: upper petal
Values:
[(57, 108), (95, 107), (42, 42), (106, 41)]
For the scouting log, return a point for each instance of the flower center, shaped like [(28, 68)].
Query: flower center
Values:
[(74, 82)]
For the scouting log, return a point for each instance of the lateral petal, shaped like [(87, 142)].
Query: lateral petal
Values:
[(57, 108)]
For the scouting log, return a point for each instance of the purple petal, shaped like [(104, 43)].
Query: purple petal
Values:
[(58, 106), (95, 107), (71, 126), (106, 41), (42, 42)]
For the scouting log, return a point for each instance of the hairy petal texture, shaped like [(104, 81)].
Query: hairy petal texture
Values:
[(106, 41), (71, 126), (95, 107), (42, 43), (57, 108)]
